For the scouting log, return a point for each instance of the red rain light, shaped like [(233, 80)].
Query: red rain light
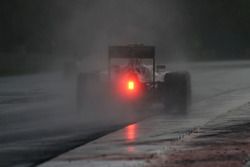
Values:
[(131, 85)]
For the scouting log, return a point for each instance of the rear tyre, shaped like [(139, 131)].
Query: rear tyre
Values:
[(177, 92)]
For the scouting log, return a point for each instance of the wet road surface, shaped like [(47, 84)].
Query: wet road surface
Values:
[(38, 120), (138, 143), (224, 142)]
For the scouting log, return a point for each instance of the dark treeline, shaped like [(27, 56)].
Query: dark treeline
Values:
[(210, 29), (29, 25), (221, 27)]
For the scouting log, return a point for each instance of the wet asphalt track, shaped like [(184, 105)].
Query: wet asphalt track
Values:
[(38, 120)]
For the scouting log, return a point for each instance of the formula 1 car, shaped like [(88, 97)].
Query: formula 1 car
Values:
[(134, 79)]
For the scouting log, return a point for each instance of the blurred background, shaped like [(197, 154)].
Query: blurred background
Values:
[(39, 35)]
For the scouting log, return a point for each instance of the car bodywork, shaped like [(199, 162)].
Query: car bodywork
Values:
[(132, 81)]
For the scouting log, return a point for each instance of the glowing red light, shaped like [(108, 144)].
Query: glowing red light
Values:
[(131, 85)]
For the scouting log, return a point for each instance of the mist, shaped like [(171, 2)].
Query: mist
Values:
[(52, 31), (104, 23), (54, 51), (43, 34)]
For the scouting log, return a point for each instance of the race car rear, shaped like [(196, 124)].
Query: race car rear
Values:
[(130, 80)]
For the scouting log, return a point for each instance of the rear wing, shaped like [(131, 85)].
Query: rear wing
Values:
[(140, 52), (132, 52)]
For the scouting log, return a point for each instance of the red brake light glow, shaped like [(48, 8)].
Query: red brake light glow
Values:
[(131, 85)]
